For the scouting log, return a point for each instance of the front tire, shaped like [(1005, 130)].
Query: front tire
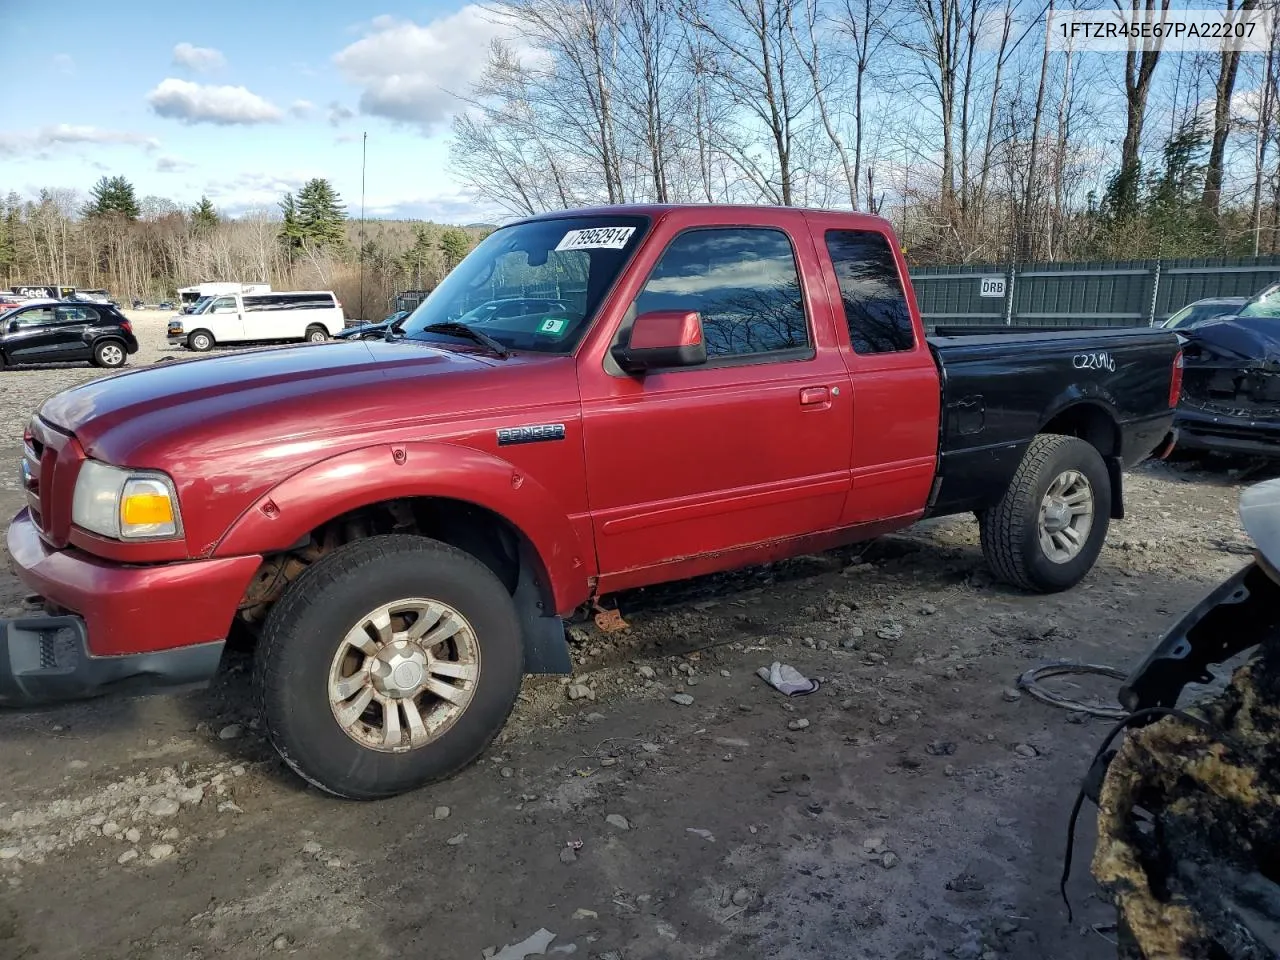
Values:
[(317, 334), (1046, 532), (109, 354), (390, 663), (201, 341)]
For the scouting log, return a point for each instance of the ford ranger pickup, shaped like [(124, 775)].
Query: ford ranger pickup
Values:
[(404, 520)]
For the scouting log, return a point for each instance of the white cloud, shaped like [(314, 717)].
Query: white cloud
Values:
[(412, 73), (34, 141), (167, 163), (338, 114), (64, 64), (256, 191), (302, 108), (201, 103), (199, 59)]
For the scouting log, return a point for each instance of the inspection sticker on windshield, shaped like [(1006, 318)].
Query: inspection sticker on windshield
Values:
[(596, 238), (553, 326)]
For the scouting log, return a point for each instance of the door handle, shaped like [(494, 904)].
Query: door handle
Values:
[(812, 396)]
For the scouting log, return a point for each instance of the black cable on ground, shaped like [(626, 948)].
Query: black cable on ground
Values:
[(1031, 682)]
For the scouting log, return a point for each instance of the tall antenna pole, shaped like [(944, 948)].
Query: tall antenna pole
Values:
[(364, 158)]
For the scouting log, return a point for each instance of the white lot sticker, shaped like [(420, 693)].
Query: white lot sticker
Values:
[(596, 238)]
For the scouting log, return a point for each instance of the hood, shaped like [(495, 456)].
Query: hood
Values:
[(327, 395), (1243, 339)]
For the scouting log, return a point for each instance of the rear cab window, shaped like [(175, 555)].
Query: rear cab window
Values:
[(875, 306), (743, 282)]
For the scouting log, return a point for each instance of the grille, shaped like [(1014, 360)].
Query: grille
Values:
[(58, 650)]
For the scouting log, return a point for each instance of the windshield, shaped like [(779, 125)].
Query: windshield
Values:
[(533, 286), (200, 306), (1265, 304)]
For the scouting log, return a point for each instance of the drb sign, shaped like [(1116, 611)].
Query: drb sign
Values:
[(991, 286)]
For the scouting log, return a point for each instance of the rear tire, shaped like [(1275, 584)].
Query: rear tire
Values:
[(201, 341), (317, 334), (110, 354), (1046, 532), (343, 685)]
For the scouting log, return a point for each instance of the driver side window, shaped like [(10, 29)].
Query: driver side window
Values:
[(37, 317), (742, 281), (224, 305)]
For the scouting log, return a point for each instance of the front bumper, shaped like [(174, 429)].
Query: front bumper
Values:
[(1240, 613), (124, 621), (44, 659), (1200, 429)]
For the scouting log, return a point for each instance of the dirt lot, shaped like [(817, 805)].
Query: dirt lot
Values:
[(907, 818)]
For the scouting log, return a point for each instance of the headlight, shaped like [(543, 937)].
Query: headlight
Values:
[(125, 504)]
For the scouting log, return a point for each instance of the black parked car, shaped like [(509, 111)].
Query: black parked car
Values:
[(1201, 310), (358, 330), (55, 331)]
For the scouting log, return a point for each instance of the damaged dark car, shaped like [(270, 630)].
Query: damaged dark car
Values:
[(1231, 382)]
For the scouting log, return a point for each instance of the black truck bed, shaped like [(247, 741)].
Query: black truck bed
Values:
[(999, 390)]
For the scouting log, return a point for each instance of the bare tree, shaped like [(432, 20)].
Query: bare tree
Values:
[(1024, 244), (1139, 68), (1268, 91), (1228, 66), (757, 66)]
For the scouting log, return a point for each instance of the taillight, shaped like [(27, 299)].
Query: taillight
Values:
[(1175, 382), (126, 326)]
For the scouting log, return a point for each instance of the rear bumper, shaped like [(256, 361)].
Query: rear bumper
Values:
[(127, 609), (44, 659), (1201, 430)]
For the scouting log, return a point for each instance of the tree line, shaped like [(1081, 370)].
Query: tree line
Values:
[(953, 118), (147, 247)]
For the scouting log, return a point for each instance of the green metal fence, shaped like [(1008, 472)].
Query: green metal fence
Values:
[(1097, 294)]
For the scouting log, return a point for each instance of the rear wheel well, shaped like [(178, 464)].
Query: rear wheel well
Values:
[(1090, 423), (1094, 425)]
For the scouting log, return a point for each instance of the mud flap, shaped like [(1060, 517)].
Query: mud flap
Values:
[(1115, 471), (546, 648)]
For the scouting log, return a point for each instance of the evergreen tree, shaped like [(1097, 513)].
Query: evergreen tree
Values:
[(9, 236), (203, 217), (113, 196), (290, 229), (454, 244), (321, 216), (418, 257), (1174, 208)]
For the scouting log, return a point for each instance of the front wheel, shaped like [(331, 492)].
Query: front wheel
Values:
[(390, 663), (317, 334), (1046, 532), (201, 341), (109, 354)]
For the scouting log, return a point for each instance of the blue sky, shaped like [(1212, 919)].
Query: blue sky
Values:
[(240, 100)]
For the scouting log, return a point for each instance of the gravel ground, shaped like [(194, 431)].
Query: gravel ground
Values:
[(914, 807)]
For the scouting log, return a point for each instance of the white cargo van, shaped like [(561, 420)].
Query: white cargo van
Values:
[(258, 317)]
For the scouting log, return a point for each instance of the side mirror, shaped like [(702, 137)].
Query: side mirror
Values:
[(662, 338), (14, 326)]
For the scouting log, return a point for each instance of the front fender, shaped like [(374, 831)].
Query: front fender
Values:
[(323, 491)]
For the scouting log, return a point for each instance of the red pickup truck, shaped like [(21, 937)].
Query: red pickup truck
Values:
[(405, 519)]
